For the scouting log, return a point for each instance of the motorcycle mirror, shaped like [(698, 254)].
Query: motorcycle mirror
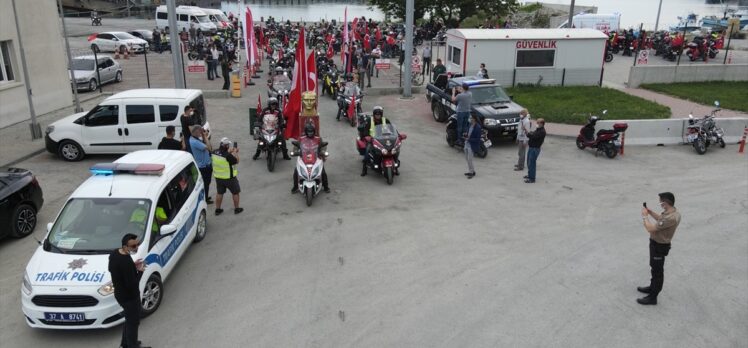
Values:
[(716, 103), (327, 154), (403, 136), (690, 116)]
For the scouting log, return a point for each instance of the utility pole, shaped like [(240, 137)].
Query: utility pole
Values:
[(36, 130), (657, 22), (571, 15), (176, 50), (408, 49), (70, 59)]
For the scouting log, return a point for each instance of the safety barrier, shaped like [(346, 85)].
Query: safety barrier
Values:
[(672, 131), (642, 74)]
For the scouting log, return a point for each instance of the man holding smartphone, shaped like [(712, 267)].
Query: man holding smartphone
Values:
[(125, 279), (660, 234), (224, 162)]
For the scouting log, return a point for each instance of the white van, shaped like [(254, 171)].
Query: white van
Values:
[(606, 23), (127, 121), (218, 18), (186, 15), (67, 284)]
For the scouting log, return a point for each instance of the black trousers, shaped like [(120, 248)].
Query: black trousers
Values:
[(207, 174), (132, 321), (657, 253)]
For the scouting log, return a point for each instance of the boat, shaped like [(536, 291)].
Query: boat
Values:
[(690, 23), (715, 22)]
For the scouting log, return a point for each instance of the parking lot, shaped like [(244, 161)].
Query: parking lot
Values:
[(434, 260), (437, 260)]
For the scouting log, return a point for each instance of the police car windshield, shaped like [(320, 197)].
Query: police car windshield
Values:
[(97, 225), (489, 95)]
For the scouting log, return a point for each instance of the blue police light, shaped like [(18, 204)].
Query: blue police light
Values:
[(127, 168), (103, 169)]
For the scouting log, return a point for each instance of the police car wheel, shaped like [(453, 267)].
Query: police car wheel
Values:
[(201, 228), (152, 295)]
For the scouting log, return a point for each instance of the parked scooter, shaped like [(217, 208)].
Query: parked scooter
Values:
[(452, 137), (697, 49), (309, 166), (606, 141), (704, 131), (385, 146), (608, 54)]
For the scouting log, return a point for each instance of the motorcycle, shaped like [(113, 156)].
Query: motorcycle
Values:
[(385, 145), (608, 54), (452, 137), (96, 21), (330, 83), (309, 166), (713, 51), (704, 132), (697, 49), (268, 136), (606, 141), (344, 105)]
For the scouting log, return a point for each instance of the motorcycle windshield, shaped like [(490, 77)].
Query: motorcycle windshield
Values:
[(385, 134), (309, 149), (270, 122), (281, 83), (350, 87)]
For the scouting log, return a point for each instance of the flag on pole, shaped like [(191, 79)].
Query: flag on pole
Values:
[(300, 84), (352, 106), (311, 66), (259, 104), (345, 33)]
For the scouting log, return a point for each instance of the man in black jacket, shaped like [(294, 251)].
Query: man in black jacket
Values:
[(536, 140), (186, 121), (168, 142), (225, 71), (125, 279)]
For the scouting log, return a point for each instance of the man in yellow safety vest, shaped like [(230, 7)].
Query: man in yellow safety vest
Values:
[(224, 160)]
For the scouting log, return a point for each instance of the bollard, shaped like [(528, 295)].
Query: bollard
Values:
[(742, 141), (623, 141), (236, 90)]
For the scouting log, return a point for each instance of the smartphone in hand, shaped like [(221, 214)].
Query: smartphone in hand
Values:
[(644, 204)]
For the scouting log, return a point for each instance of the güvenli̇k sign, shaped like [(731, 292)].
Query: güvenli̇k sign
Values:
[(536, 44)]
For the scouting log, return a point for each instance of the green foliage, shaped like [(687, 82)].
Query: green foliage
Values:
[(450, 11), (731, 94), (573, 105), (530, 7)]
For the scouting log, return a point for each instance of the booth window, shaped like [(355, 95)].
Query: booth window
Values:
[(456, 54), (535, 58), (6, 68)]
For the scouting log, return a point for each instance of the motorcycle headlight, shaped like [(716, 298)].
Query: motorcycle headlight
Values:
[(27, 288), (50, 129), (384, 152), (106, 289)]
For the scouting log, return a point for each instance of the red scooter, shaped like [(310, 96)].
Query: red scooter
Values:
[(606, 140)]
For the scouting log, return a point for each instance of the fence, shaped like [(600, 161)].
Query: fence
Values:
[(642, 74)]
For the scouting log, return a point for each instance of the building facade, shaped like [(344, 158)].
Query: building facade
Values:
[(41, 31)]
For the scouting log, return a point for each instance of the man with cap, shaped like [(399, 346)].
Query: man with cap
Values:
[(660, 234), (200, 148), (224, 160)]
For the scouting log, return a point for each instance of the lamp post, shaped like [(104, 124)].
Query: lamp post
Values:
[(70, 59), (36, 130), (408, 48)]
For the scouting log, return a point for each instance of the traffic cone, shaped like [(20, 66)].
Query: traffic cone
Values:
[(742, 141), (116, 53), (127, 52)]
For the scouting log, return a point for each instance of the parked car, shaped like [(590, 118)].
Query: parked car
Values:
[(144, 34), (86, 77), (117, 40), (20, 200)]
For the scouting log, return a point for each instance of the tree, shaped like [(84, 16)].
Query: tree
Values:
[(396, 8)]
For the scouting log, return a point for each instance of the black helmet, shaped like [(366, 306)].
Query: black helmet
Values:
[(309, 130), (273, 102), (378, 110)]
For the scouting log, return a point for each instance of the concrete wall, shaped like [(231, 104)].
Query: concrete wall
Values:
[(672, 131), (642, 74), (45, 58)]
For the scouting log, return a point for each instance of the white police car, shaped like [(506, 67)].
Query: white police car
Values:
[(67, 284)]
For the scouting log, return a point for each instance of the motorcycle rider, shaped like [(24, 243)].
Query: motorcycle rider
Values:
[(348, 89), (332, 69), (309, 132), (377, 118), (272, 109)]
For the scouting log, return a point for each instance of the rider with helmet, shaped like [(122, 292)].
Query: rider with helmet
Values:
[(347, 90), (310, 133), (272, 109), (377, 118)]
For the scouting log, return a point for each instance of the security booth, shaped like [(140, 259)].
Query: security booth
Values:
[(528, 56)]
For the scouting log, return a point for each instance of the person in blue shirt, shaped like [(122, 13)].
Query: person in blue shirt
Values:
[(200, 147)]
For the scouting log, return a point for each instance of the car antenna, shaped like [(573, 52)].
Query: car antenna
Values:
[(111, 185)]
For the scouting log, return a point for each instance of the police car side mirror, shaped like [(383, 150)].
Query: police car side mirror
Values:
[(511, 97), (49, 226), (167, 230)]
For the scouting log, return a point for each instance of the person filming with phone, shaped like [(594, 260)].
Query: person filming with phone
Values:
[(224, 161), (126, 275), (660, 234)]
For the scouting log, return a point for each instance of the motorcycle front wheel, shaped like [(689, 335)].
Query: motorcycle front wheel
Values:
[(389, 175), (722, 143), (611, 151), (580, 144), (608, 57), (309, 196), (700, 146), (272, 154)]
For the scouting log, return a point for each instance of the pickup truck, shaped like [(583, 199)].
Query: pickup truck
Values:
[(499, 114)]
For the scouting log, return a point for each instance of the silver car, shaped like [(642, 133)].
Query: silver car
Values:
[(86, 77)]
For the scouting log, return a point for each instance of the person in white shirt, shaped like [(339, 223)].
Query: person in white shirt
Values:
[(522, 129), (216, 54), (426, 60), (376, 53), (482, 72)]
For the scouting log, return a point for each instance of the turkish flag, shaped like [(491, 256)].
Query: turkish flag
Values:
[(300, 84), (330, 53), (367, 43), (345, 32), (311, 67), (352, 106), (259, 104)]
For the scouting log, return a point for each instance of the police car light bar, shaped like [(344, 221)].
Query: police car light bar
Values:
[(480, 82), (127, 168)]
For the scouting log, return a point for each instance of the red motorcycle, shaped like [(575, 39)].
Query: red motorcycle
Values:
[(606, 140), (697, 49), (385, 148)]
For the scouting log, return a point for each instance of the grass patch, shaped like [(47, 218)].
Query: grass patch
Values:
[(732, 95), (573, 105)]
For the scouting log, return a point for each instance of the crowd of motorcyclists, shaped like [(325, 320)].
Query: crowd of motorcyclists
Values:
[(668, 45)]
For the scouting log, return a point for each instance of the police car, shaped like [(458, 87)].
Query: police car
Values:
[(499, 113), (155, 194)]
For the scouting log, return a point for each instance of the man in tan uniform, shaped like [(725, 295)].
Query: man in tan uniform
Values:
[(660, 234)]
